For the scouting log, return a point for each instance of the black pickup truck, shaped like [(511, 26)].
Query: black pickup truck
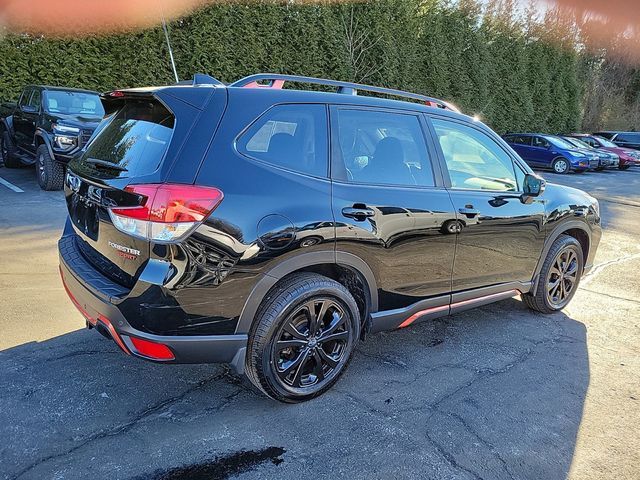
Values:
[(47, 128)]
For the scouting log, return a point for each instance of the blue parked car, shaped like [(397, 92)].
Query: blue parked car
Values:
[(550, 151)]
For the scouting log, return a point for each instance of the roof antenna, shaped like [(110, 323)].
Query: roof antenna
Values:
[(166, 36)]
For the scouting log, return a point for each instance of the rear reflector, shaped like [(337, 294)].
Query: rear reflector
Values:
[(152, 350), (167, 212)]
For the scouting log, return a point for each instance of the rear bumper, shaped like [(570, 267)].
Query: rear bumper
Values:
[(94, 296)]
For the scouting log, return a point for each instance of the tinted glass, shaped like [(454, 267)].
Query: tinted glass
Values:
[(560, 143), (520, 139), (290, 136), (577, 143), (590, 141), (628, 137), (383, 148), (540, 142), (135, 138), (604, 142), (77, 103), (36, 99), (24, 99), (474, 160)]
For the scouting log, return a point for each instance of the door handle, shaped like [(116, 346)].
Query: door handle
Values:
[(359, 212), (469, 211)]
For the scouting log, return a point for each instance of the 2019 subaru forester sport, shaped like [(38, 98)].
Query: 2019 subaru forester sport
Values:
[(271, 227)]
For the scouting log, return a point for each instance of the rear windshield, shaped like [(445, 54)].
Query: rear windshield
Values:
[(73, 103), (132, 142)]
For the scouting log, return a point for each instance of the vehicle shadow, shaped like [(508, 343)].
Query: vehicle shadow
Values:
[(497, 392)]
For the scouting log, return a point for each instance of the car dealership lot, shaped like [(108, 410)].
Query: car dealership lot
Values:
[(496, 392)]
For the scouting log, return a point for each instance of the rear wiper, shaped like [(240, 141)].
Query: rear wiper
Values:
[(103, 163)]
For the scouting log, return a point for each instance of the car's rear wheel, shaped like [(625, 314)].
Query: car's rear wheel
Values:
[(7, 150), (561, 165), (50, 173), (559, 276), (303, 338)]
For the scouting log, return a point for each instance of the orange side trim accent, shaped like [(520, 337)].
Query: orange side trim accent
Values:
[(94, 321), (116, 338), (415, 316)]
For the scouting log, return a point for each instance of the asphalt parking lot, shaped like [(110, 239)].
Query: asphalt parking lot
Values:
[(495, 393)]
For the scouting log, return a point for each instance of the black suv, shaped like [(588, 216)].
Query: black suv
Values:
[(271, 227), (622, 139), (48, 126)]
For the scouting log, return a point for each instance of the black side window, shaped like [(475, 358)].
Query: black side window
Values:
[(290, 136), (540, 142), (382, 148), (36, 100), (24, 99), (520, 139)]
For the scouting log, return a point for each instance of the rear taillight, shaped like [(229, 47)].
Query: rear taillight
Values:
[(168, 212)]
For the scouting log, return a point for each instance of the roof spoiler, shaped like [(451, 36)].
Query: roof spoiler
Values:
[(201, 79)]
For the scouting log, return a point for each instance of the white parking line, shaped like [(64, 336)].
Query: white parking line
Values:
[(10, 186)]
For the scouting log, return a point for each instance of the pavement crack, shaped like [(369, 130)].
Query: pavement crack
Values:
[(598, 268), (482, 440), (444, 453), (614, 297), (124, 427)]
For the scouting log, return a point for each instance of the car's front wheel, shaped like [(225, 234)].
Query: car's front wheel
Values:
[(50, 173), (561, 165), (624, 167), (303, 338), (559, 276)]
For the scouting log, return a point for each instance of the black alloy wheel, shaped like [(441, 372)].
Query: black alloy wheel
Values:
[(303, 338), (311, 343), (562, 277)]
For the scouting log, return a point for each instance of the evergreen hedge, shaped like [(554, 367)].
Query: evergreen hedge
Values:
[(506, 71)]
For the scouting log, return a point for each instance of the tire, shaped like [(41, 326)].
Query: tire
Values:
[(599, 169), (50, 173), (624, 167), (8, 152), (565, 250), (561, 165), (296, 373)]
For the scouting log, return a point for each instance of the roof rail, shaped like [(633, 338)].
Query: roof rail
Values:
[(276, 80)]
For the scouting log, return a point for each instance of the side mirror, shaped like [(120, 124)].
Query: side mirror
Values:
[(29, 109), (533, 186)]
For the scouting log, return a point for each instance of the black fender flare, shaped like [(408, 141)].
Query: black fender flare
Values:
[(40, 133), (270, 278), (552, 237)]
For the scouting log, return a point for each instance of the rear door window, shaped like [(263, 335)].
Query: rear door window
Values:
[(381, 148), (133, 142), (292, 136), (36, 100)]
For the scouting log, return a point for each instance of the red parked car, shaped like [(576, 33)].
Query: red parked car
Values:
[(628, 156)]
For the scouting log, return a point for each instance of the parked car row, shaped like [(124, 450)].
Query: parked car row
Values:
[(577, 152)]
